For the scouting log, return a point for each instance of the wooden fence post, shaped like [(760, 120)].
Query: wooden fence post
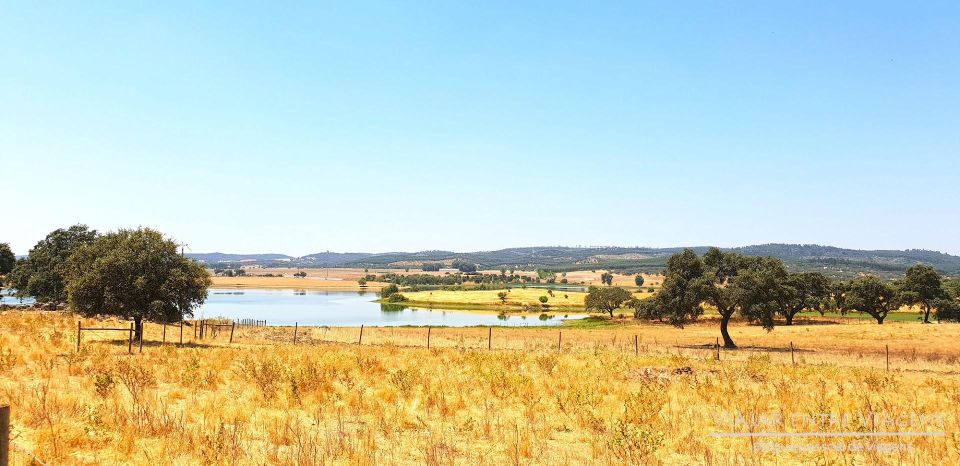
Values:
[(888, 358), (636, 345), (4, 435), (716, 345), (164, 333), (78, 336), (181, 333), (490, 338), (232, 328), (792, 360), (143, 330), (559, 340), (295, 325), (194, 329), (360, 341), (130, 340), (428, 336)]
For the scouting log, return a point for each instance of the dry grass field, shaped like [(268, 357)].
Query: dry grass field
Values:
[(346, 278), (489, 299), (289, 282), (599, 399)]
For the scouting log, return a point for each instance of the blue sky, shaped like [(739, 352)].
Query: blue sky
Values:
[(369, 126)]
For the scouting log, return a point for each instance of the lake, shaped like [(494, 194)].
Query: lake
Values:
[(350, 309), (8, 299)]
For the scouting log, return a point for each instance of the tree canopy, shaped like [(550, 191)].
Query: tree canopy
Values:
[(43, 274), (606, 278), (464, 266), (135, 274), (7, 259), (922, 286), (729, 281), (638, 280), (807, 290), (680, 299), (606, 299), (870, 295)]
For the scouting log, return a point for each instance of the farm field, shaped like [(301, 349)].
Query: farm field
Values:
[(603, 398), (517, 298), (346, 278), (288, 282)]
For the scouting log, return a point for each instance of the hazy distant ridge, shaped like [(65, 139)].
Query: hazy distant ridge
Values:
[(836, 261)]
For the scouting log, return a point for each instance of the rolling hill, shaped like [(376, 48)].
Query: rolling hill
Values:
[(833, 261)]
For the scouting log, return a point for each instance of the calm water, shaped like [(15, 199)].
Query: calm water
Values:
[(7, 298), (347, 309)]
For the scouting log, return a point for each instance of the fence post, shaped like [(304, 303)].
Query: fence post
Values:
[(4, 435), (636, 345), (181, 333), (428, 336), (194, 329), (164, 333), (78, 336), (888, 358), (360, 341), (792, 360), (130, 340), (716, 345), (295, 325), (490, 338), (232, 327), (559, 340), (143, 330)]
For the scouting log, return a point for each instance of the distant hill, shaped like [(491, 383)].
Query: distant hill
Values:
[(212, 258), (333, 259), (836, 262)]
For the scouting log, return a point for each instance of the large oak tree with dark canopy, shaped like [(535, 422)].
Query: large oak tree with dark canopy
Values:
[(730, 282), (750, 286), (43, 274), (922, 286), (871, 295), (806, 290), (681, 295), (135, 274)]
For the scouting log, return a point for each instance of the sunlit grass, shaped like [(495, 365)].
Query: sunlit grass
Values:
[(392, 401)]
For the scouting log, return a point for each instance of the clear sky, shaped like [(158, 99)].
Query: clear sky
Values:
[(260, 127)]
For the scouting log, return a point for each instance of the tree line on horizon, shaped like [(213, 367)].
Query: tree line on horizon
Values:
[(762, 290)]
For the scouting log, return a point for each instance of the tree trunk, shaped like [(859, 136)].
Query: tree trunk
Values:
[(926, 313), (880, 319), (727, 341), (789, 317), (137, 328)]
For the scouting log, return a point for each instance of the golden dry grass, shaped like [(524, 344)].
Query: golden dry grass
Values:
[(308, 283), (265, 401), (593, 278), (346, 278)]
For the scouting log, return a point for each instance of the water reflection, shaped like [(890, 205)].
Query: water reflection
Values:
[(345, 308)]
